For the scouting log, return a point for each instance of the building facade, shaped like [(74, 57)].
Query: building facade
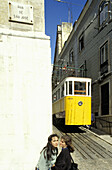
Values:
[(25, 84), (63, 31), (88, 53)]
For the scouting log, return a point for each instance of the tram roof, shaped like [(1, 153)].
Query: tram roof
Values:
[(80, 79)]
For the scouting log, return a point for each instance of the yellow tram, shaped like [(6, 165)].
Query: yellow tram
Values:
[(72, 100)]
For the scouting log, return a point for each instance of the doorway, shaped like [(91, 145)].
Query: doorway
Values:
[(105, 99)]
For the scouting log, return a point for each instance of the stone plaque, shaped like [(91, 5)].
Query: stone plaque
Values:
[(20, 13)]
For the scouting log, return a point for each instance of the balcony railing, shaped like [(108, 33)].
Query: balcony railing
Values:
[(105, 123), (104, 67)]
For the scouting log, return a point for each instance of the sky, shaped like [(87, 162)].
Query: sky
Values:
[(58, 12)]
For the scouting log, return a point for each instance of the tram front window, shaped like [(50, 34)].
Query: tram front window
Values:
[(80, 88), (70, 87), (88, 88), (66, 88)]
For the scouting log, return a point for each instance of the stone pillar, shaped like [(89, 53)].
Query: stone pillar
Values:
[(25, 84)]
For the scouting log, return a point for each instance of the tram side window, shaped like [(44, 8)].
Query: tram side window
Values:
[(88, 88), (58, 94), (80, 88), (62, 90), (70, 87)]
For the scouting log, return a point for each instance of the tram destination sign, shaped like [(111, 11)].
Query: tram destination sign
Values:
[(20, 13)]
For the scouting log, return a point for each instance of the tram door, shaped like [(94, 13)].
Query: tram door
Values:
[(105, 99)]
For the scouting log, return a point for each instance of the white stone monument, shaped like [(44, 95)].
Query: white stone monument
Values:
[(25, 84)]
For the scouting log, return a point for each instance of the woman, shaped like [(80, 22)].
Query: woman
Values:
[(48, 154), (63, 161)]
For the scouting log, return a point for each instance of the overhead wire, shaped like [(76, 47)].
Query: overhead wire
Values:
[(68, 2)]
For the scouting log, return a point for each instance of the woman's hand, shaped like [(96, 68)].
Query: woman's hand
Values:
[(53, 165)]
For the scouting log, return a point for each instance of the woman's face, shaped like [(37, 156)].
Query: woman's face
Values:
[(62, 143), (54, 141)]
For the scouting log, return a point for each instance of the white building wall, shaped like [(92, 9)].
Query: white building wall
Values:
[(66, 29), (25, 98)]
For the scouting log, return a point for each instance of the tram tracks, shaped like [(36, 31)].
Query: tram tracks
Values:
[(101, 150), (90, 146)]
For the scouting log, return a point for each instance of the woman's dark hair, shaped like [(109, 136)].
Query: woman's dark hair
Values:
[(49, 148), (68, 140)]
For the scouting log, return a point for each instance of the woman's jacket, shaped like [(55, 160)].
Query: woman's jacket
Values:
[(63, 161), (43, 163)]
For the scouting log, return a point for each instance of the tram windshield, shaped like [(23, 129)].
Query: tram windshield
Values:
[(80, 88)]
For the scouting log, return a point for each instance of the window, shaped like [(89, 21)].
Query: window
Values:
[(62, 90), (82, 70), (105, 99), (58, 94), (103, 12), (71, 56), (70, 87), (88, 88), (104, 58), (80, 88), (104, 53), (81, 42), (66, 88)]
